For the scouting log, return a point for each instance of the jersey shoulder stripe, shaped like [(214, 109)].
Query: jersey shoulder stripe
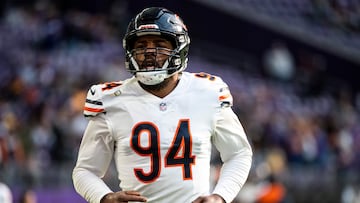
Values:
[(219, 86), (94, 103), (225, 96)]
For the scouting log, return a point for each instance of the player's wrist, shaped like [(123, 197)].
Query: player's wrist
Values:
[(107, 198), (219, 197)]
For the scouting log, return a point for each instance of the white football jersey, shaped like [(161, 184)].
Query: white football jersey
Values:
[(162, 146)]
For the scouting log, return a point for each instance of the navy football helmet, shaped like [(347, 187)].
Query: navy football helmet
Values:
[(161, 22)]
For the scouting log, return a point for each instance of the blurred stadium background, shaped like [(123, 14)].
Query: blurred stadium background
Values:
[(292, 65)]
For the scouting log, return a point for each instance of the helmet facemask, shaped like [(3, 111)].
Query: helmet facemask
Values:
[(153, 65)]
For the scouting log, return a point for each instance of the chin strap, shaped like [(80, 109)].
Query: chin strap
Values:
[(152, 77)]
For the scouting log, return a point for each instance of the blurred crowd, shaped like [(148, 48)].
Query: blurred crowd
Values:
[(344, 14), (47, 62), (304, 143), (306, 147)]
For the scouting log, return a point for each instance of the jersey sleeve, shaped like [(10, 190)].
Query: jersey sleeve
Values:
[(225, 97), (94, 157), (94, 102), (235, 150)]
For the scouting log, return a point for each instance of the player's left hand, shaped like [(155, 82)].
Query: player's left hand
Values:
[(213, 198)]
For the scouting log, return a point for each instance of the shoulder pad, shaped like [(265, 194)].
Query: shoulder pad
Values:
[(224, 95), (93, 104), (95, 96)]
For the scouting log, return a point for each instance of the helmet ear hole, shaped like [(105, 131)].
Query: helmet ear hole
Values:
[(131, 43), (170, 39)]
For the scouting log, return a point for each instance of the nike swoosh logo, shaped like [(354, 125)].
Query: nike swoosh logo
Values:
[(92, 91)]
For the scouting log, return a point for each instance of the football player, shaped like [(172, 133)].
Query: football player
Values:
[(159, 126)]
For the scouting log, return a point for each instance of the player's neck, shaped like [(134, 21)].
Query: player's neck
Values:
[(163, 89)]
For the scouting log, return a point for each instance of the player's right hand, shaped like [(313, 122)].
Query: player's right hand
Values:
[(123, 196)]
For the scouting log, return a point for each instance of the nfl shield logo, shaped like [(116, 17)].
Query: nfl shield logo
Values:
[(162, 106)]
